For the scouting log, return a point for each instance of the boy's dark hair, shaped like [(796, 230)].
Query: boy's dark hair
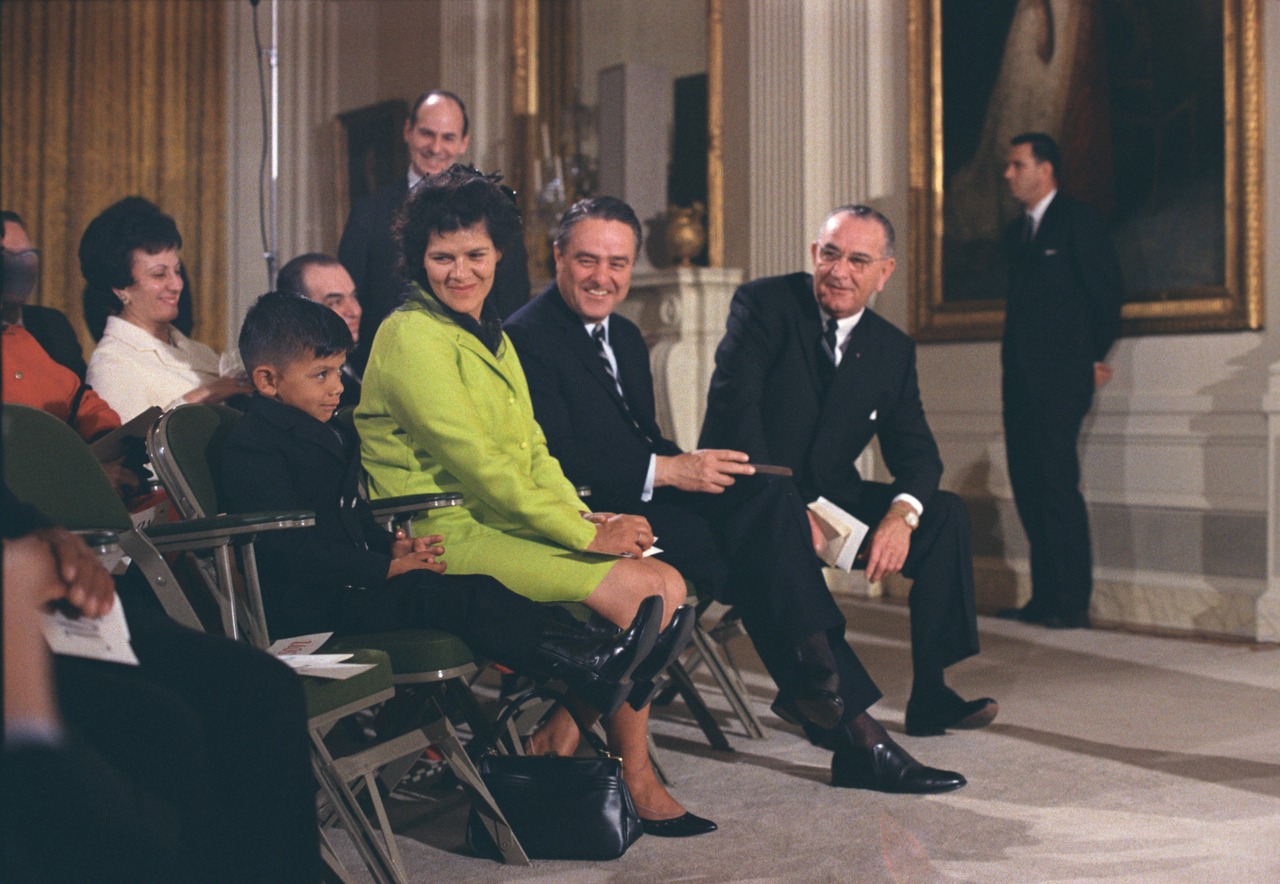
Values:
[(280, 329)]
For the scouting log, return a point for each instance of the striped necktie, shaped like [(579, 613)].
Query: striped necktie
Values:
[(599, 336)]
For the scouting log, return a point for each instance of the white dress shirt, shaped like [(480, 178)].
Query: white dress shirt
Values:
[(647, 494), (845, 327)]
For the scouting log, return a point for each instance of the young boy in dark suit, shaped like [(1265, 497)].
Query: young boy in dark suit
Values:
[(346, 574)]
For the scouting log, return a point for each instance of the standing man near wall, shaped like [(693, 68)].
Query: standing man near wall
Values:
[(438, 131), (1063, 314)]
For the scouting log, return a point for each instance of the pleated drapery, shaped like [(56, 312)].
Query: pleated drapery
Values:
[(101, 99)]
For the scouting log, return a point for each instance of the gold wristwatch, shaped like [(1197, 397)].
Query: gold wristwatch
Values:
[(909, 516)]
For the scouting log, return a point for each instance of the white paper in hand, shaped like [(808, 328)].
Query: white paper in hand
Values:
[(106, 638), (843, 532)]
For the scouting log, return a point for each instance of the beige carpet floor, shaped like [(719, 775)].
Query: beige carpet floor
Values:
[(1116, 757)]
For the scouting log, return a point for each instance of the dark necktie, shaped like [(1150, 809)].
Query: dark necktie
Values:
[(598, 335), (1028, 235), (829, 341), (827, 356)]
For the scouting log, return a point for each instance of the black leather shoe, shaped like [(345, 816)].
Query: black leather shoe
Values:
[(952, 713), (600, 670), (1074, 620), (1031, 612), (813, 701), (887, 767), (678, 827), (667, 649)]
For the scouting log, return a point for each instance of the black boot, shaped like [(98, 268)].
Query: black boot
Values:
[(599, 671), (670, 645)]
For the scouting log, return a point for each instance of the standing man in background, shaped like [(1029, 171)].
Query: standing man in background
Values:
[(437, 132), (1063, 314)]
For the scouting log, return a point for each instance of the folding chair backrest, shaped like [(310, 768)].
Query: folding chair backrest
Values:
[(186, 453), (48, 465)]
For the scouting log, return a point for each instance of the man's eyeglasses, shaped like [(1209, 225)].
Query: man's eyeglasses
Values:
[(858, 261)]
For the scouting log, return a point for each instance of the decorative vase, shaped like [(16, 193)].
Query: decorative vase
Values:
[(686, 233)]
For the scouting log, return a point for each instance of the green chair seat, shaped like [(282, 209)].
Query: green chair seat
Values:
[(324, 695), (411, 651)]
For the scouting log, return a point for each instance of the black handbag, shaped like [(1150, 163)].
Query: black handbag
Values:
[(558, 807)]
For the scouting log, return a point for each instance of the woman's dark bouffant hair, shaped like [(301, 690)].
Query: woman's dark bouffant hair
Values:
[(455, 199), (106, 256)]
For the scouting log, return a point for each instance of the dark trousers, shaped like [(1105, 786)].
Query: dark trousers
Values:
[(213, 728), (1044, 470), (496, 623), (752, 547), (944, 620), (70, 816)]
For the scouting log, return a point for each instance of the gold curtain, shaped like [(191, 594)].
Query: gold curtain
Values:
[(106, 98)]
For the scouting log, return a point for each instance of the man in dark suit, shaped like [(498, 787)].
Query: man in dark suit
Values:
[(805, 377), (437, 132), (1063, 314), (48, 326), (323, 279), (740, 537)]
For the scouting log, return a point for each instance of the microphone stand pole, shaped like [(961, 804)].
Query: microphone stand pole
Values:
[(273, 188)]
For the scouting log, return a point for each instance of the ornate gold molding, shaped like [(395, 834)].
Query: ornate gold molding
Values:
[(1234, 304), (715, 133)]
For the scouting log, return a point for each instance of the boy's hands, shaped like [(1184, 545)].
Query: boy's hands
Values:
[(416, 554)]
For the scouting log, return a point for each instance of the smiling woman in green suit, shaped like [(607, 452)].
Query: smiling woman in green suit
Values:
[(445, 408)]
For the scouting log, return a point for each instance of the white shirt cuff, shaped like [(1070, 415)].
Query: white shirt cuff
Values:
[(647, 494), (911, 502)]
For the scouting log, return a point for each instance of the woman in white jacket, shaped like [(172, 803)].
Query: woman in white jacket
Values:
[(130, 259)]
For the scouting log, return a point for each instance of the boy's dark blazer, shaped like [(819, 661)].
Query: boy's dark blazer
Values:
[(768, 397), (278, 457), (572, 391)]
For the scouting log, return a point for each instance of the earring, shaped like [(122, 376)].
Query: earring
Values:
[(124, 299)]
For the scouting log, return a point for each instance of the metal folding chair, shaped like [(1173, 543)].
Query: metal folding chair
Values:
[(185, 448)]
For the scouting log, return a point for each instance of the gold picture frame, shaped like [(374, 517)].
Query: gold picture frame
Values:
[(1230, 299)]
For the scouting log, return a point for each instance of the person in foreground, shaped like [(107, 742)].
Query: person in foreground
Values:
[(445, 408), (1065, 294), (346, 574), (129, 256), (592, 389), (205, 739), (806, 376)]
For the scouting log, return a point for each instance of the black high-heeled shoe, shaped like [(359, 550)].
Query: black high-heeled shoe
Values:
[(600, 671), (666, 650)]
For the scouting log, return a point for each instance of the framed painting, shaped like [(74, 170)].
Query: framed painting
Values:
[(1156, 105)]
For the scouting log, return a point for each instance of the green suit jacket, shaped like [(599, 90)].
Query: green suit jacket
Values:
[(440, 413)]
